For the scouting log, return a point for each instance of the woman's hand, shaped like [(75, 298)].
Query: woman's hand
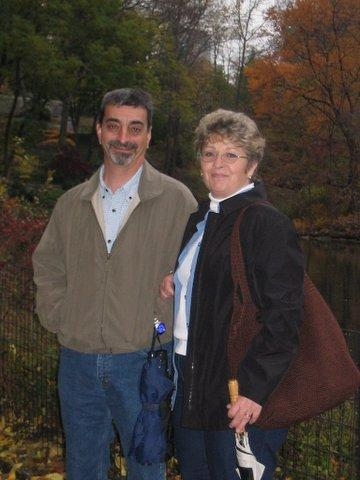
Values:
[(167, 287), (243, 411)]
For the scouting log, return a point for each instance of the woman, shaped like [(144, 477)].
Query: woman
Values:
[(230, 149)]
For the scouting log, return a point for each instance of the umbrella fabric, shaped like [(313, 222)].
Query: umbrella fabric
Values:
[(149, 442), (249, 467)]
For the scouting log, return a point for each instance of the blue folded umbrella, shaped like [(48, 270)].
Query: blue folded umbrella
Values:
[(149, 442)]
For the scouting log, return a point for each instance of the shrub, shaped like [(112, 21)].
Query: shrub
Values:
[(21, 226), (68, 168)]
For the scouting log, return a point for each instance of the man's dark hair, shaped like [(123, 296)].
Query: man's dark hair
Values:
[(130, 97)]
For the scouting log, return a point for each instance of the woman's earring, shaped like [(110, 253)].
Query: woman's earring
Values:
[(201, 174)]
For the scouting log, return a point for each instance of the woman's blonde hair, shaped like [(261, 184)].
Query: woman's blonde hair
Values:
[(235, 126)]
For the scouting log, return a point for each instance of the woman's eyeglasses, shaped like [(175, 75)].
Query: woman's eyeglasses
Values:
[(227, 157)]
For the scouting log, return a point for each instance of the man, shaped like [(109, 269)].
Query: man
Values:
[(98, 267)]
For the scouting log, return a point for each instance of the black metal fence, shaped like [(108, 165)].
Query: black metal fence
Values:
[(326, 448), (28, 361)]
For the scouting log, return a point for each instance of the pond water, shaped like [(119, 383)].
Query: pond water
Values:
[(334, 267)]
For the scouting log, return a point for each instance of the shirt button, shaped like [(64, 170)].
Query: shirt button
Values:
[(114, 210), (109, 241)]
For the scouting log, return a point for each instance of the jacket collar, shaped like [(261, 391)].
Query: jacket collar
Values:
[(234, 203), (243, 199), (150, 184)]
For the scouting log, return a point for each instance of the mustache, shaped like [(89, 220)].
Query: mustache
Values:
[(126, 145)]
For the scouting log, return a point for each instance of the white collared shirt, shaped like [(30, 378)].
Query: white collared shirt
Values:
[(116, 204), (214, 202)]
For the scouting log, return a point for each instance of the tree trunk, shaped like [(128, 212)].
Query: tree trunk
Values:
[(349, 127), (93, 142), (8, 155), (63, 123), (32, 111), (172, 142)]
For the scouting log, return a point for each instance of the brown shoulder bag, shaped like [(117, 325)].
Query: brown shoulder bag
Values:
[(322, 375)]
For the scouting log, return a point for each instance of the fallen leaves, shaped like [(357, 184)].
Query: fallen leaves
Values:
[(28, 460)]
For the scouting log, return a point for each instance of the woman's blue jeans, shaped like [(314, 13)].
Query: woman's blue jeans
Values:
[(210, 454), (95, 391)]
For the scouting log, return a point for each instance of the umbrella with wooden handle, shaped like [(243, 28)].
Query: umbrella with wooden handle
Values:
[(248, 467)]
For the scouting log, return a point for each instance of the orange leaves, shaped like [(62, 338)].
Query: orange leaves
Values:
[(306, 91), (323, 37), (266, 80)]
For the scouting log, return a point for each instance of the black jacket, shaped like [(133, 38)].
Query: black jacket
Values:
[(274, 265)]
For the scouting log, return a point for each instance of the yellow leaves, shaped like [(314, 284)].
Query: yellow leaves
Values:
[(35, 458), (50, 476), (3, 188), (12, 473), (54, 476), (25, 164), (53, 452), (120, 464)]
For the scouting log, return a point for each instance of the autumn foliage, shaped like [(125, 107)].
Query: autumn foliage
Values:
[(306, 94), (21, 227)]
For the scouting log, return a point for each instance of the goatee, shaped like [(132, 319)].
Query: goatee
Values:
[(119, 157)]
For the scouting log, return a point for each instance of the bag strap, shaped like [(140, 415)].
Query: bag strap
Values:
[(238, 269), (237, 262), (245, 307), (155, 337)]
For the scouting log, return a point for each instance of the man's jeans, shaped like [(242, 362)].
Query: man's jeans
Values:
[(95, 390)]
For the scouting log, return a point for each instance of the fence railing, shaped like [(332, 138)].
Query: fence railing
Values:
[(28, 361), (327, 448)]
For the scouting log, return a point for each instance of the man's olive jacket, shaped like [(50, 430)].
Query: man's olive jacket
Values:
[(105, 303)]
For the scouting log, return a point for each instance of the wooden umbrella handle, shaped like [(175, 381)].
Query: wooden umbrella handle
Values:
[(233, 390)]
